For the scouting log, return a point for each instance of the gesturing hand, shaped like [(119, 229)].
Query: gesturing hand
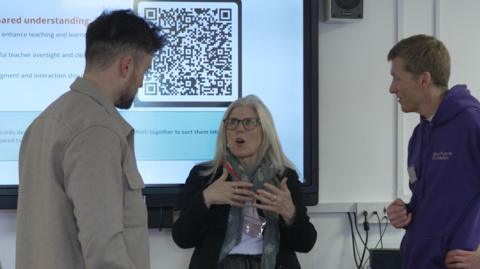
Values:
[(277, 200), (398, 215), (234, 193), (463, 259)]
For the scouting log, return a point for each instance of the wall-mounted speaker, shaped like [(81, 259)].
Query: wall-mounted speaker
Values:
[(343, 10)]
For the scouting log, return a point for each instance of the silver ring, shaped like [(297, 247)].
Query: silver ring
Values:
[(235, 190)]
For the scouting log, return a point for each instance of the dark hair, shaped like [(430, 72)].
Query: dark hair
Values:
[(120, 31), (424, 53)]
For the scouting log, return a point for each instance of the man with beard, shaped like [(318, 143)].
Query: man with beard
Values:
[(80, 201)]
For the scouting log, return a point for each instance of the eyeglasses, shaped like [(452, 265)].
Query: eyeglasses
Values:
[(248, 123)]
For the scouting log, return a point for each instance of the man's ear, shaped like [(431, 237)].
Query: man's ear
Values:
[(125, 66), (425, 79)]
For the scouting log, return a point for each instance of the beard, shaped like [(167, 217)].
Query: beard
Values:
[(125, 100)]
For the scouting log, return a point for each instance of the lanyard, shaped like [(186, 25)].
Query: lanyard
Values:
[(232, 172)]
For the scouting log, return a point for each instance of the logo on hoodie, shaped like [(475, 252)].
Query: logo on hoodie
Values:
[(442, 155)]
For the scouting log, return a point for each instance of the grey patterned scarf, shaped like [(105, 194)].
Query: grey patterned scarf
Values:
[(264, 173)]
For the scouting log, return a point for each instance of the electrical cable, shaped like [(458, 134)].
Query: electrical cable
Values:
[(360, 261), (379, 229), (354, 245), (384, 229), (366, 228), (381, 233), (366, 262), (385, 226), (356, 228), (365, 248)]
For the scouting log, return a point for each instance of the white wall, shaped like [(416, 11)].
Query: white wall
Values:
[(363, 136)]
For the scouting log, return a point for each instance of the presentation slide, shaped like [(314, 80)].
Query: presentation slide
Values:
[(217, 51)]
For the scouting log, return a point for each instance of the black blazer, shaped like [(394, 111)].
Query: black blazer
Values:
[(204, 229)]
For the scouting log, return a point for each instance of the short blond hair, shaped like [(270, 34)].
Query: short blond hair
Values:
[(424, 53)]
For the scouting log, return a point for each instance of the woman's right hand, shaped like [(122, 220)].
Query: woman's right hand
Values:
[(222, 192)]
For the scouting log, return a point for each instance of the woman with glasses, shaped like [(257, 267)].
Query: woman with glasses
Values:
[(244, 208)]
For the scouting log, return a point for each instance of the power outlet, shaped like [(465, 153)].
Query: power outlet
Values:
[(370, 208)]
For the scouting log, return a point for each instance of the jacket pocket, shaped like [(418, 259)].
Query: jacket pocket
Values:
[(135, 212)]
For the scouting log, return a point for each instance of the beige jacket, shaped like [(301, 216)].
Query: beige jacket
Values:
[(80, 201)]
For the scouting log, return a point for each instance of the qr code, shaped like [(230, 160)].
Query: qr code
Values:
[(200, 63)]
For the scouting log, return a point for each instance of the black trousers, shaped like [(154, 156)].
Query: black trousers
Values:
[(240, 261)]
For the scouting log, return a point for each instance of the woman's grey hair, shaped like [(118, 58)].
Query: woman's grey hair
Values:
[(270, 147)]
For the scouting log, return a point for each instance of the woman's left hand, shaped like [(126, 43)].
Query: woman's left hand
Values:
[(277, 200)]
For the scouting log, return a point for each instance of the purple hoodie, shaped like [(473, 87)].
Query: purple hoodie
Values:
[(444, 170)]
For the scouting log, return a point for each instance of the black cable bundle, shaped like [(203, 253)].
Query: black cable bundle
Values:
[(359, 260)]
